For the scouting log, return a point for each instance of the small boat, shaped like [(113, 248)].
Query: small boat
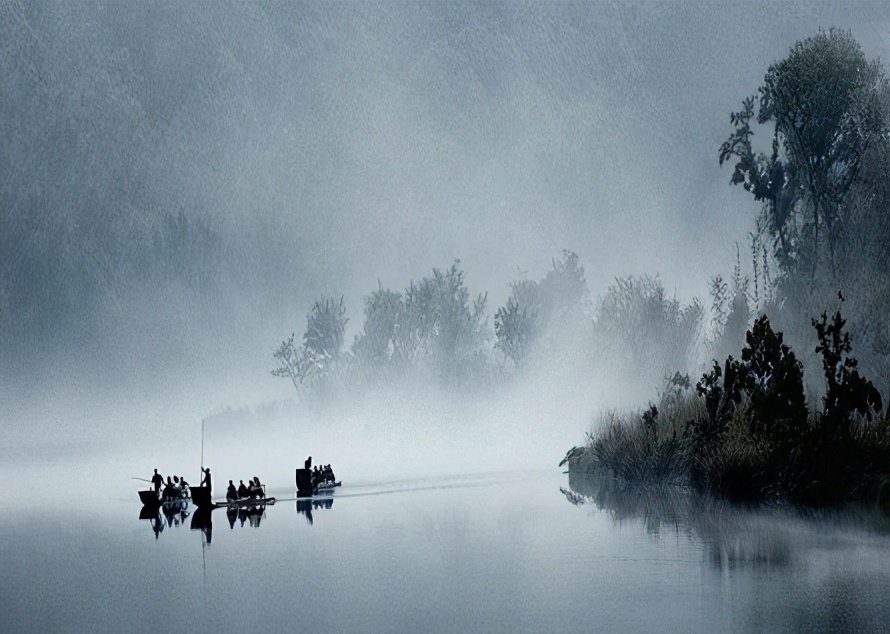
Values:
[(326, 487), (201, 497), (305, 488), (150, 499), (247, 502)]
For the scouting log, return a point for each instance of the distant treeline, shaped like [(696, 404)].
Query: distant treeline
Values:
[(435, 330), (822, 242)]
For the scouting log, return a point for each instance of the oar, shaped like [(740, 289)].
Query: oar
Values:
[(143, 479)]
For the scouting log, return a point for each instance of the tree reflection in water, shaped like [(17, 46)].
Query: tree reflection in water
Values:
[(734, 535)]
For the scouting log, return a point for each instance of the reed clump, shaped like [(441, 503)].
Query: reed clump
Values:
[(745, 431)]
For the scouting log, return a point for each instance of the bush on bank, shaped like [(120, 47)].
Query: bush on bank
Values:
[(746, 432)]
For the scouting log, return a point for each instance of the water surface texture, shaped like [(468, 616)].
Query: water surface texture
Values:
[(498, 552)]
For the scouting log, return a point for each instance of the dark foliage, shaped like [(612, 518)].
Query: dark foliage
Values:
[(753, 436)]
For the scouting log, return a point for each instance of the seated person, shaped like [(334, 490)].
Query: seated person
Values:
[(243, 491), (231, 492), (170, 490)]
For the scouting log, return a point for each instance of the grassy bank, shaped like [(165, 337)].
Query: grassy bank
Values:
[(744, 431)]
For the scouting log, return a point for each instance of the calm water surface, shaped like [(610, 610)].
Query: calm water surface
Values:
[(517, 552)]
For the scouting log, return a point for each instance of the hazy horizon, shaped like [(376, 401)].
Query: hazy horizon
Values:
[(334, 147)]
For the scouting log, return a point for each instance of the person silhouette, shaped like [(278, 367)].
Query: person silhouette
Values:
[(158, 480), (206, 481)]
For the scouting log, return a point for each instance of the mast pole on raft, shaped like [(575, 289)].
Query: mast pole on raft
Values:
[(201, 477)]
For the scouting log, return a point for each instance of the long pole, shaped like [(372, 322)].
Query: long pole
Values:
[(200, 478)]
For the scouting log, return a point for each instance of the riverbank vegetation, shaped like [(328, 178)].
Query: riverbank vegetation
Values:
[(744, 431), (756, 425), (765, 398)]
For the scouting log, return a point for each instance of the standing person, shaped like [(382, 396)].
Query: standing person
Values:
[(206, 481), (158, 480), (231, 492), (243, 492)]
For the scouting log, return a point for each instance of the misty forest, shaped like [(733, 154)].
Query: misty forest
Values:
[(429, 241), (763, 420)]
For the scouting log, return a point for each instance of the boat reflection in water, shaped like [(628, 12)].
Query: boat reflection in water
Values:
[(250, 515), (171, 514), (202, 521), (305, 506)]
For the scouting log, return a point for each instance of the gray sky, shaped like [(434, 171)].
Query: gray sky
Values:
[(379, 140)]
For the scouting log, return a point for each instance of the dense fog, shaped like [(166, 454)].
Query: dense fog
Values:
[(180, 182)]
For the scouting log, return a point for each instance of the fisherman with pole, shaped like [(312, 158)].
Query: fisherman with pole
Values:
[(206, 481), (205, 473), (158, 480)]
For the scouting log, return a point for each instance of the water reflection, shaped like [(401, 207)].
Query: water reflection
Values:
[(168, 515), (250, 515), (202, 521), (733, 535), (305, 506)]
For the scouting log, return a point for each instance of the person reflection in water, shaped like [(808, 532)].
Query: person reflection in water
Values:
[(157, 524), (232, 516), (171, 514)]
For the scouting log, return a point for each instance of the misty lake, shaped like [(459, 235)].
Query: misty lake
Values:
[(501, 552)]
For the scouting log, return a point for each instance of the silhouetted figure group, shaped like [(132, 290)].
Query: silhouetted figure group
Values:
[(254, 490), (322, 475), (176, 488)]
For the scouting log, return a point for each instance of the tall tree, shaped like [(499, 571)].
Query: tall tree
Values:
[(824, 102), (312, 365)]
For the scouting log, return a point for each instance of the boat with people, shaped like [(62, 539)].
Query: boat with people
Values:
[(176, 496), (152, 501), (241, 503), (326, 487), (246, 495), (176, 492), (315, 481)]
